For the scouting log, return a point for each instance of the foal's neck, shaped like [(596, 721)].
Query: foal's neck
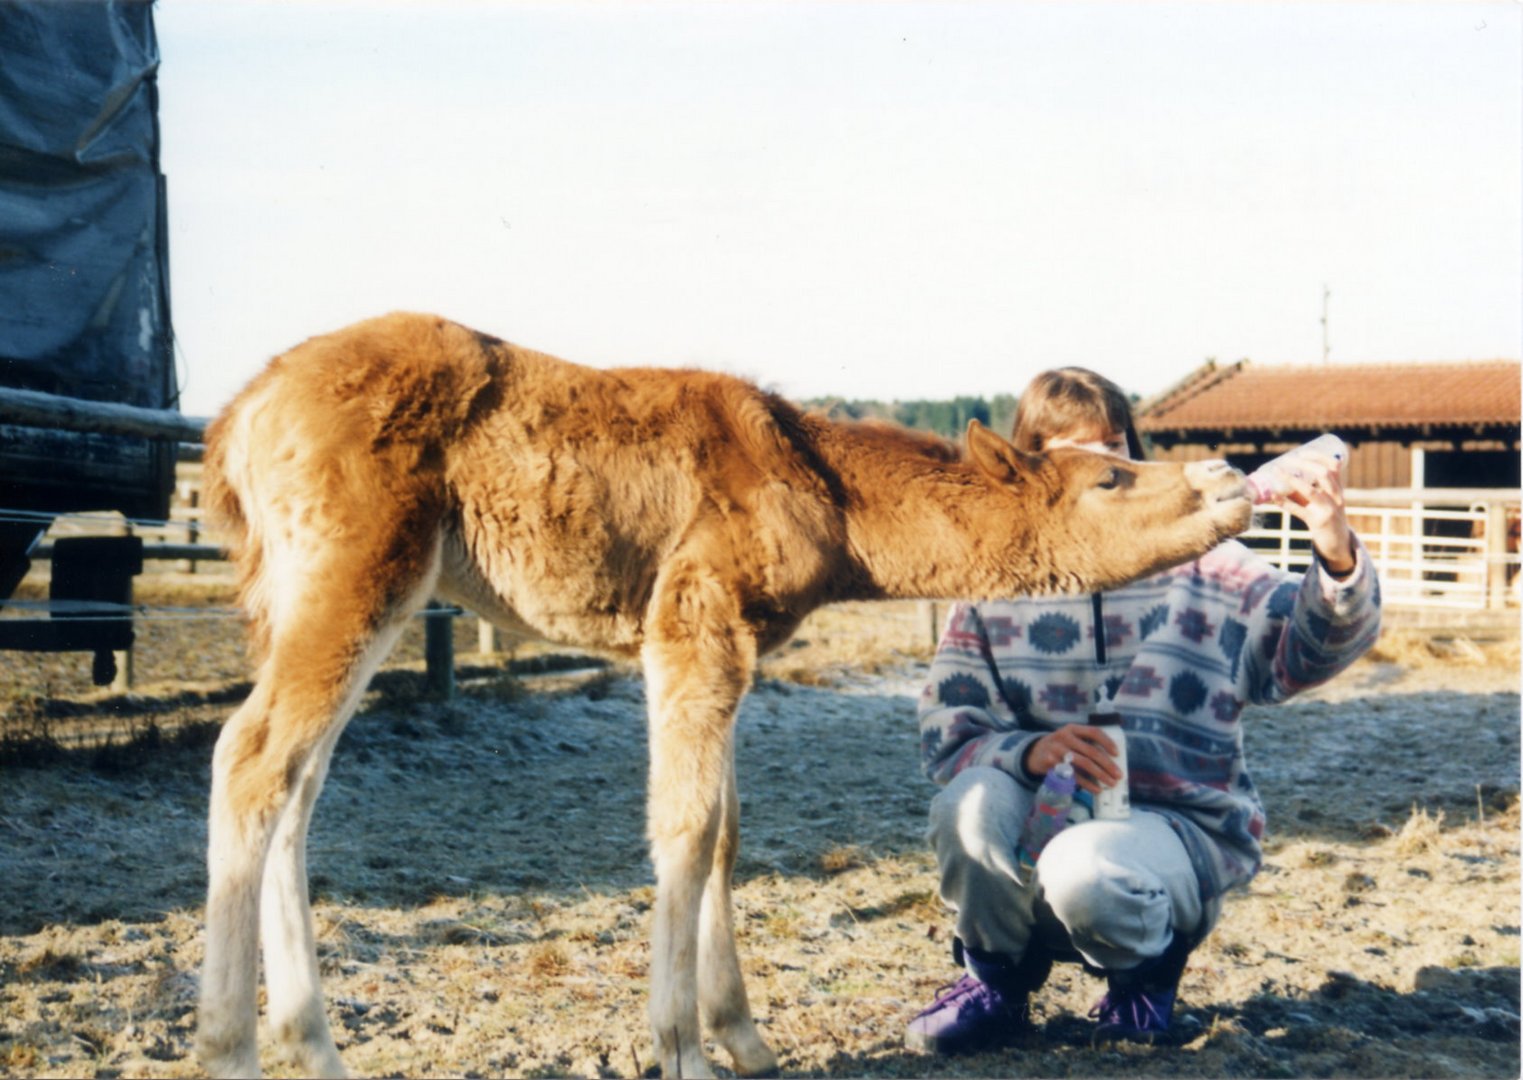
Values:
[(921, 523)]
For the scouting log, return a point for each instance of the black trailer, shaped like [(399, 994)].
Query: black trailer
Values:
[(84, 298)]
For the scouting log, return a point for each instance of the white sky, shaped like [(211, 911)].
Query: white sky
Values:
[(888, 199)]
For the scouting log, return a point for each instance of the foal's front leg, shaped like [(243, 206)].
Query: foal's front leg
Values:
[(686, 756), (721, 989), (698, 659)]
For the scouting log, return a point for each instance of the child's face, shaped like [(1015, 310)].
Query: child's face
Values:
[(1097, 438)]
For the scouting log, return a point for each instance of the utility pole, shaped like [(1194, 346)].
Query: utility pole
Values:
[(1325, 347)]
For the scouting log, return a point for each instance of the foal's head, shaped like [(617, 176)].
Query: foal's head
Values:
[(1095, 521)]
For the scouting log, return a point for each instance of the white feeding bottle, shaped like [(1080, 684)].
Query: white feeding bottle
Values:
[(1270, 482)]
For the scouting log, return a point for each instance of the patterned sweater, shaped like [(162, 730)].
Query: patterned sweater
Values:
[(1182, 652)]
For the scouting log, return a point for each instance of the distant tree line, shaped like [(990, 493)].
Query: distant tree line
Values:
[(948, 418)]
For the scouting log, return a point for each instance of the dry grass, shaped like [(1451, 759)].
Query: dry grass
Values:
[(1380, 940), (1412, 647), (1298, 981), (1421, 834), (853, 640)]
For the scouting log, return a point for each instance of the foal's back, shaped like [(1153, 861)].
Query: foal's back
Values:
[(553, 492)]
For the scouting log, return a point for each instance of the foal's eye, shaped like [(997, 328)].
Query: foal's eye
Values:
[(1111, 480)]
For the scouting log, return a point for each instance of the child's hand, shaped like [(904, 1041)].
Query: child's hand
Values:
[(1094, 756), (1316, 497)]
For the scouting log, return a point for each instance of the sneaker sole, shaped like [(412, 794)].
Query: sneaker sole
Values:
[(1142, 1038), (922, 1043)]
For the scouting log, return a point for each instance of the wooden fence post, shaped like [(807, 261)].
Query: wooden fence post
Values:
[(1496, 556), (930, 611), (439, 648), (486, 637), (193, 534), (121, 683)]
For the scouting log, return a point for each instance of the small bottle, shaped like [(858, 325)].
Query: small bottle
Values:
[(1270, 482), (1114, 803), (1050, 814)]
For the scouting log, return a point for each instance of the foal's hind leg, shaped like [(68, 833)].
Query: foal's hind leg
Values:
[(227, 1016), (294, 992), (295, 1008), (266, 773)]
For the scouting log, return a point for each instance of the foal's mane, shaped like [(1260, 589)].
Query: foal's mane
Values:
[(891, 438)]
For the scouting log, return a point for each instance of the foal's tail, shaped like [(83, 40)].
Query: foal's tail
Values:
[(226, 496)]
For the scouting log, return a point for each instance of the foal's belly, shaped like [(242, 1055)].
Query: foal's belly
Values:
[(535, 610)]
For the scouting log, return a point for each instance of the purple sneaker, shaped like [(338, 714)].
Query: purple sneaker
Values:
[(1139, 1004), (1133, 1014), (968, 1015)]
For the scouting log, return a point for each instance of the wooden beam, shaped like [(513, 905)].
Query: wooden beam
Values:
[(29, 408), (66, 635), (195, 552)]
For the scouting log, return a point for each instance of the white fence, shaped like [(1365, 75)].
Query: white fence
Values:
[(1433, 547)]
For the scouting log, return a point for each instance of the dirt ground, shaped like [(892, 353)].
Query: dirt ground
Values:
[(483, 894)]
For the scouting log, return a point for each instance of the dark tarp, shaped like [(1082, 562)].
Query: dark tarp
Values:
[(84, 307)]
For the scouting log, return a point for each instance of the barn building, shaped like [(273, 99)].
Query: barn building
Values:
[(1434, 454), (1452, 425)]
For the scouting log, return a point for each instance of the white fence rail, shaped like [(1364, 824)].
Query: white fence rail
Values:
[(1433, 548)]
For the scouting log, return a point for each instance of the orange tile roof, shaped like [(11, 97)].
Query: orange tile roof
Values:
[(1245, 396)]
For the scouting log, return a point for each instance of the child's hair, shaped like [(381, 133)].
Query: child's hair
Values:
[(1067, 399)]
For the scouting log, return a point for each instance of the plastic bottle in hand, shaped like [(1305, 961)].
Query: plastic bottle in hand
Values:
[(1115, 802), (1270, 482), (1050, 814)]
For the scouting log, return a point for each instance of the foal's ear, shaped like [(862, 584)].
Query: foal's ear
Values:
[(996, 457)]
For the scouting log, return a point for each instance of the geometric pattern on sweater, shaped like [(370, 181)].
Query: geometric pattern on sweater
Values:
[(1117, 630), (1152, 620), (1194, 626), (1065, 698), (1185, 652), (1233, 636), (1054, 633), (1002, 631), (1187, 692)]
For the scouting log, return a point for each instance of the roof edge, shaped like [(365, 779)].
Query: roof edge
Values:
[(1194, 384)]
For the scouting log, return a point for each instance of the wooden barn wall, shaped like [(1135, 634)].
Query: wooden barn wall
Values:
[(1380, 465), (1371, 464)]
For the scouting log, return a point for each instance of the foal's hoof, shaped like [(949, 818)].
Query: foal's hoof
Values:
[(230, 1066), (760, 1062)]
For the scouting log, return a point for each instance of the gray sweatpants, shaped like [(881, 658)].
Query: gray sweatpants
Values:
[(1116, 891)]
